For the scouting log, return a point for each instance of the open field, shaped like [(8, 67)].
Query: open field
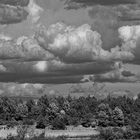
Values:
[(71, 132), (74, 132)]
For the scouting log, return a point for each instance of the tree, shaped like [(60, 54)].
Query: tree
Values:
[(44, 105), (92, 104), (41, 122), (118, 116), (21, 111), (8, 108), (43, 101), (30, 103), (103, 118), (104, 113)]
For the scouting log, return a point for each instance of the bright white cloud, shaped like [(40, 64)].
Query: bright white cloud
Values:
[(130, 36), (5, 37), (34, 11), (79, 44), (41, 66)]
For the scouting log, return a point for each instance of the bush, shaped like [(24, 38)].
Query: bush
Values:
[(74, 121), (117, 133), (12, 138), (28, 122), (40, 125), (11, 124), (106, 134), (58, 124), (41, 137)]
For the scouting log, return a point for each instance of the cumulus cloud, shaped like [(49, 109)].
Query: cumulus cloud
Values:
[(130, 36), (11, 15), (34, 11), (32, 51), (24, 48), (79, 44)]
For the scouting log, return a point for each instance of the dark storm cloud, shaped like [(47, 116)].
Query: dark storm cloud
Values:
[(106, 20), (57, 68), (129, 13), (114, 77), (40, 79), (15, 2), (126, 73), (70, 3), (52, 80), (49, 72), (12, 15)]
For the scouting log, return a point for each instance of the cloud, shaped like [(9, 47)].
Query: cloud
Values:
[(15, 89), (105, 21), (15, 2), (2, 68), (34, 11), (116, 76), (126, 73), (32, 51), (50, 72), (129, 13), (60, 68), (130, 36), (41, 66), (5, 37), (11, 15), (24, 48), (71, 3), (79, 44), (56, 68), (53, 80)]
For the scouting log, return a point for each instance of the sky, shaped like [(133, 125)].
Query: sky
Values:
[(70, 41)]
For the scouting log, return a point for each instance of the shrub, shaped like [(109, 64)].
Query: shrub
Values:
[(28, 122), (106, 134), (58, 124), (40, 124), (74, 121)]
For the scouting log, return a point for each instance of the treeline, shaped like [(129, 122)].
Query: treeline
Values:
[(59, 112)]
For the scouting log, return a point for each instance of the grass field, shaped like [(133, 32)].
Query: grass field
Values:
[(71, 132)]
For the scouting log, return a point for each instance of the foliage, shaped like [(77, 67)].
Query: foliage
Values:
[(58, 112), (118, 117), (58, 123), (104, 114)]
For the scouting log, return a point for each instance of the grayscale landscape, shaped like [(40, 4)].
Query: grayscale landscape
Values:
[(69, 69)]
